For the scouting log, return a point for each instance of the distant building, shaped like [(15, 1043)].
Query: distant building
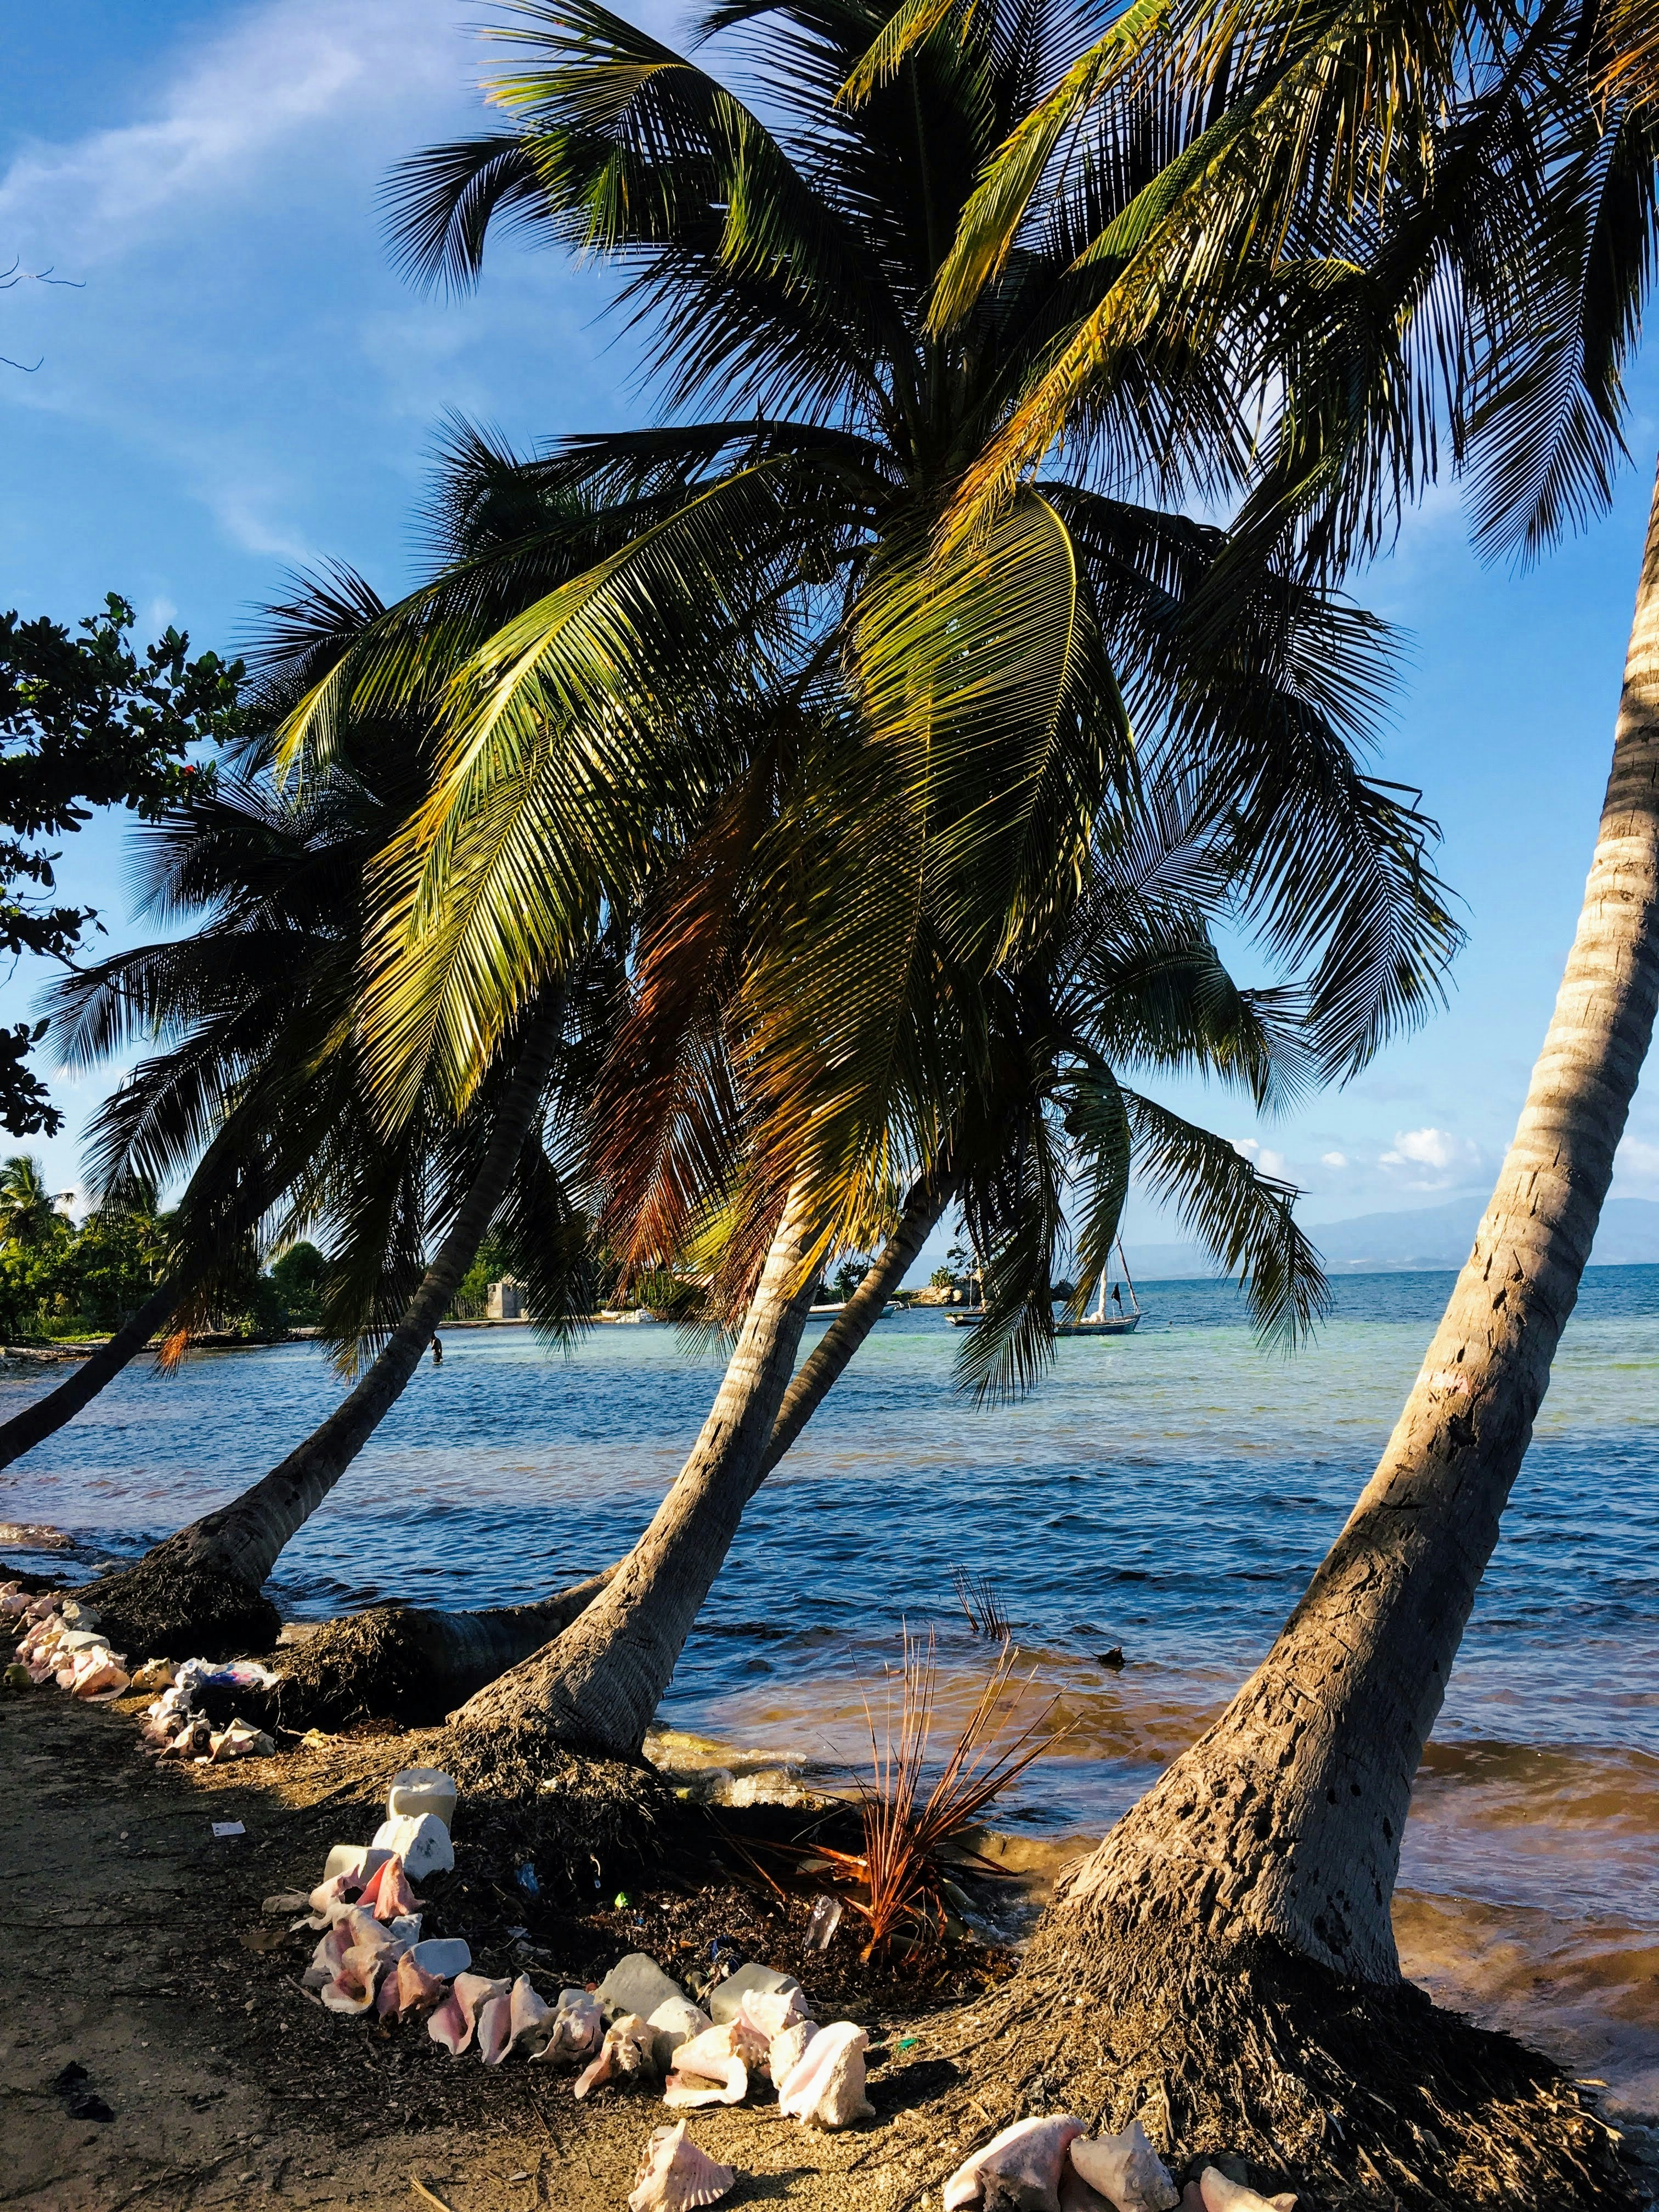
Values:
[(504, 1301)]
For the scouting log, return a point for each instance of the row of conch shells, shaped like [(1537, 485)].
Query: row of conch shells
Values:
[(1051, 2164), (61, 1643)]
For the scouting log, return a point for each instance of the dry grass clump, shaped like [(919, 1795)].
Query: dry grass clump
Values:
[(904, 1870), (976, 1595)]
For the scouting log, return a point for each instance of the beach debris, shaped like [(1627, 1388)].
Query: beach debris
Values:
[(1219, 2192), (417, 1791), (422, 1841), (356, 1861), (578, 2027), (18, 1676), (455, 2021), (1125, 2170), (625, 2055), (386, 1893), (443, 1955), (726, 1998), (676, 2176), (675, 2021), (237, 1740), (825, 2087), (636, 1983), (228, 1828), (709, 2069), (154, 1674), (824, 1920), (1024, 2166)]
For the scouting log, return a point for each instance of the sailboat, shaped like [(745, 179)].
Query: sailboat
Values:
[(1100, 1322)]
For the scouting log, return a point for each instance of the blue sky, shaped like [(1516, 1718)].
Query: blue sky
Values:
[(244, 385)]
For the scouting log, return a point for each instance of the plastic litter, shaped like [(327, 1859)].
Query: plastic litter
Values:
[(824, 1920), (228, 1828)]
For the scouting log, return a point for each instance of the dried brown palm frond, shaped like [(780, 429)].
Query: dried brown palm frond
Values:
[(903, 1868)]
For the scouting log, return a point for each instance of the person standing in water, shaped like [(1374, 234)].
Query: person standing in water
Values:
[(437, 1351)]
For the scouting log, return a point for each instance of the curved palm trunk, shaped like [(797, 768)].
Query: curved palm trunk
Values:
[(424, 1662), (47, 1414), (203, 1588), (1283, 1820), (597, 1686)]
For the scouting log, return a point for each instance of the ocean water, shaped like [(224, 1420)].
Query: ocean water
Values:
[(1169, 1492)]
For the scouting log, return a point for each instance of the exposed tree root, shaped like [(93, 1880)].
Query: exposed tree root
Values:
[(171, 1606), (1347, 2094)]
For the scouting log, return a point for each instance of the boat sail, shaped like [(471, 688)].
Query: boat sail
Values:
[(1122, 1322)]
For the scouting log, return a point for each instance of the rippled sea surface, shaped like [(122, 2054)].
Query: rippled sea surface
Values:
[(1169, 1492)]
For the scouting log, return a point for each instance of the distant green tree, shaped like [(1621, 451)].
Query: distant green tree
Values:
[(299, 1275)]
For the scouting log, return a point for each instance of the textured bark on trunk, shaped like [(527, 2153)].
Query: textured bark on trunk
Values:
[(596, 1687), (203, 1588), (1283, 1820), (404, 1663), (48, 1412)]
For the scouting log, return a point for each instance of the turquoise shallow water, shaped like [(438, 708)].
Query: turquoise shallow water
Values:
[(1170, 1492)]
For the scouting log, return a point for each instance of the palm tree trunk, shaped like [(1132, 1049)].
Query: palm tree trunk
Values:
[(596, 1687), (412, 1664), (1285, 1817), (407, 1664), (47, 1414), (202, 1590)]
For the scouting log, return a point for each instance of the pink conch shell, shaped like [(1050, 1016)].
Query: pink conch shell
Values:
[(825, 2087), (452, 2023), (325, 1897), (415, 1986), (677, 2177), (625, 2052), (786, 2051), (327, 1959), (1076, 2196), (100, 1675), (709, 2070), (769, 2012), (1220, 2193), (1125, 2170), (1021, 2167), (528, 2014), (675, 2021), (352, 1989), (494, 2029), (386, 1893), (577, 2024)]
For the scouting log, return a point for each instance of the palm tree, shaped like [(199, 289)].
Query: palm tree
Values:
[(1484, 218), (950, 738), (28, 1210)]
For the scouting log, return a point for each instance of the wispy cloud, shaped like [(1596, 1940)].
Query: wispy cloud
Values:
[(1432, 1158)]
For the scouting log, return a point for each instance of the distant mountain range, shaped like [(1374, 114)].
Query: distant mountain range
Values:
[(1428, 1236)]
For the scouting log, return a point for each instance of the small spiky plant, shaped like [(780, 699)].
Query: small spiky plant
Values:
[(977, 1596), (902, 1866)]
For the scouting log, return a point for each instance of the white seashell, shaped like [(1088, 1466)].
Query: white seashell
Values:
[(769, 2012), (578, 2027), (99, 1677), (1125, 2170), (1021, 2166), (422, 1844), (788, 2049), (726, 1998), (635, 1983), (825, 2087), (625, 2053), (675, 2021), (677, 2177), (529, 2014), (1220, 2193), (494, 2029), (419, 1789), (443, 1955), (709, 2069)]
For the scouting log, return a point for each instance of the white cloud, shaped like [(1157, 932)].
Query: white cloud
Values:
[(1269, 1161), (1333, 1159), (1637, 1160), (1439, 1159), (279, 73)]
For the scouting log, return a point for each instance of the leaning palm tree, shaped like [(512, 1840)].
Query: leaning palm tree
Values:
[(1481, 220)]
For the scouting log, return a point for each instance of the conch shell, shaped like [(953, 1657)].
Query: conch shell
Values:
[(677, 2177), (709, 2069), (675, 2021), (387, 1893), (786, 2051), (577, 2024), (1221, 2193), (452, 2023), (1023, 2166), (626, 2052), (528, 2012), (1125, 2170), (825, 2087)]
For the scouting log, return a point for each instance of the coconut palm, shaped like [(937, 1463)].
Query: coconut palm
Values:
[(28, 1210), (1474, 190)]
